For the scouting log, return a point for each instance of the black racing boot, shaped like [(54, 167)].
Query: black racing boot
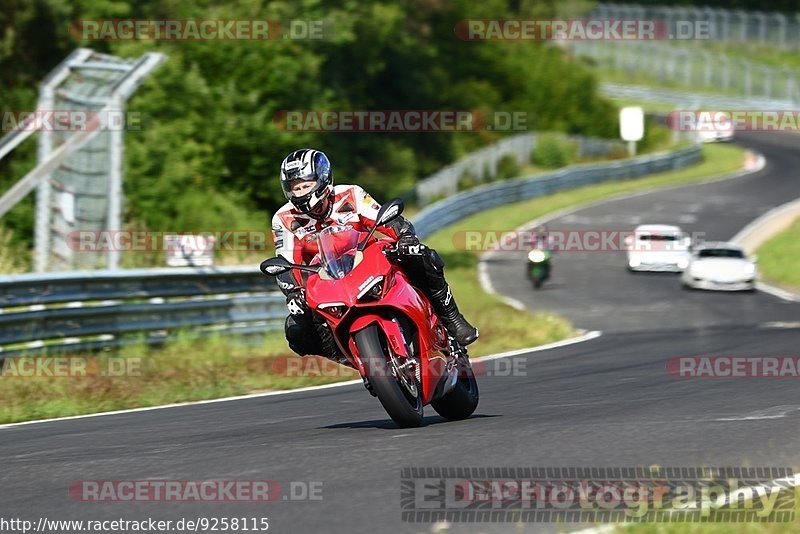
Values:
[(455, 323)]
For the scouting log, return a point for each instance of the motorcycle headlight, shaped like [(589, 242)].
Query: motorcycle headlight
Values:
[(372, 290), (536, 255), (336, 309)]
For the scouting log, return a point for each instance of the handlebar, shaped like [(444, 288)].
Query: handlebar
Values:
[(391, 253)]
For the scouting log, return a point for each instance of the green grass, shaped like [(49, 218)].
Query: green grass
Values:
[(647, 79), (788, 527), (196, 369), (779, 258), (652, 107), (719, 528), (185, 370)]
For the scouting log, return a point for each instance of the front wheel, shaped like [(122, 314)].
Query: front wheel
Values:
[(401, 397), (463, 398)]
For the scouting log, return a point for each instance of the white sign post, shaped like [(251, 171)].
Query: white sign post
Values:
[(189, 249), (631, 126)]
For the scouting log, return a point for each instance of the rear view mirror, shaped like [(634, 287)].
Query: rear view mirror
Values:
[(275, 266), (754, 258), (389, 211)]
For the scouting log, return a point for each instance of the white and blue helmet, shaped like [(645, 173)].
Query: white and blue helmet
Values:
[(308, 165)]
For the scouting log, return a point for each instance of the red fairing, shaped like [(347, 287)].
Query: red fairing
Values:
[(337, 301)]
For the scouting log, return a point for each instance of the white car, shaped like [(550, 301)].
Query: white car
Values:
[(715, 136), (717, 127), (658, 247), (720, 266)]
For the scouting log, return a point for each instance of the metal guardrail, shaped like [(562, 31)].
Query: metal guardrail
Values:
[(464, 204), (726, 25), (483, 165), (689, 67), (686, 100), (89, 310)]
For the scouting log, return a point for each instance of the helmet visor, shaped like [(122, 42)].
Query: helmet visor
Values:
[(299, 187)]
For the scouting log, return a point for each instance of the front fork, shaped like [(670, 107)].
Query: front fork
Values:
[(456, 355), (406, 361)]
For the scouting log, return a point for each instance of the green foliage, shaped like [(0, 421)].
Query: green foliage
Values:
[(13, 259), (209, 147), (468, 180), (553, 150), (508, 167)]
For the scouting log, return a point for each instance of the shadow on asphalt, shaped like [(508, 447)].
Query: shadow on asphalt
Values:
[(388, 424)]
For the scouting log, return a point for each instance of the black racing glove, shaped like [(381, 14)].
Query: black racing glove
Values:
[(296, 302), (408, 245)]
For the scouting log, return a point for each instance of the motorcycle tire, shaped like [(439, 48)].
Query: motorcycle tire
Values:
[(462, 401), (404, 410)]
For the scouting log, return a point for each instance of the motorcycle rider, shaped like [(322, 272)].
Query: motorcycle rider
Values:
[(541, 238), (314, 203)]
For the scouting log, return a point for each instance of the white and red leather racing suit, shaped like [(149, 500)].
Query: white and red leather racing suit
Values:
[(295, 233)]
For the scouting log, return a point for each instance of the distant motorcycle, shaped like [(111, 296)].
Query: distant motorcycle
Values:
[(385, 327), (538, 268)]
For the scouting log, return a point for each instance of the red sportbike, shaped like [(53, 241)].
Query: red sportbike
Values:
[(384, 326)]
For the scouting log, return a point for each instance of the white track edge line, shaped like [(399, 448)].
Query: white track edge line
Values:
[(583, 336)]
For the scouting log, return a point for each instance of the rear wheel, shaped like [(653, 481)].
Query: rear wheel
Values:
[(398, 392), (462, 400)]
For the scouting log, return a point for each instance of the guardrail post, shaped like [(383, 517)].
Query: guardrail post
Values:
[(114, 217), (742, 24), (725, 27), (762, 26), (780, 20), (748, 77), (767, 85), (726, 71)]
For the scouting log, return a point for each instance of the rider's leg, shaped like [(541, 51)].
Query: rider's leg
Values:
[(307, 337), (426, 271)]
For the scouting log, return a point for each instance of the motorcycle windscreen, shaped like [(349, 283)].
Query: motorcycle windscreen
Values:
[(337, 249)]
